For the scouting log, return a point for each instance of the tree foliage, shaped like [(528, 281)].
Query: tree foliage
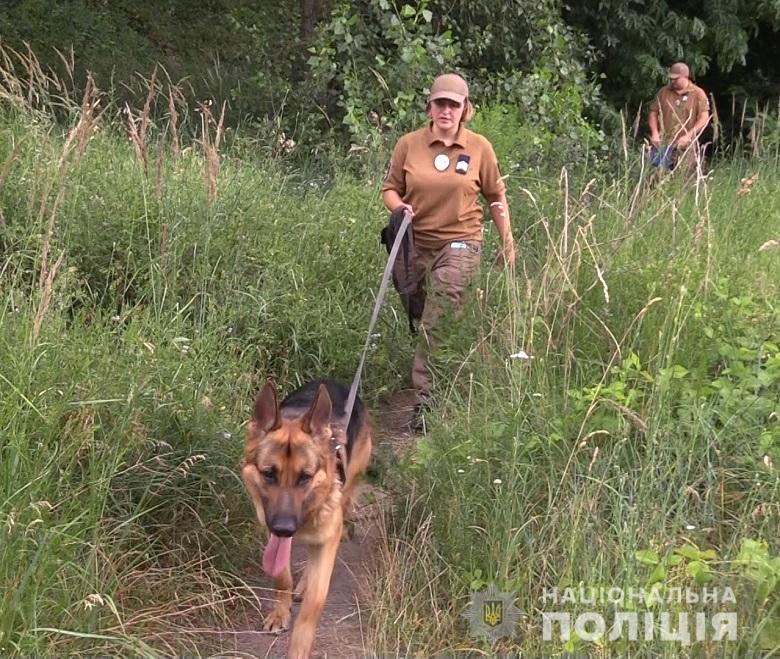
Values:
[(356, 72), (638, 40), (374, 60)]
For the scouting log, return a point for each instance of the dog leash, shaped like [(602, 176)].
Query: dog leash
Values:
[(380, 296)]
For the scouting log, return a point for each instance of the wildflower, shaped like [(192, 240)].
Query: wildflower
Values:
[(521, 354), (497, 481)]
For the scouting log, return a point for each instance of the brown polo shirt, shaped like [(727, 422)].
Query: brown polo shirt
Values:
[(678, 111), (442, 183)]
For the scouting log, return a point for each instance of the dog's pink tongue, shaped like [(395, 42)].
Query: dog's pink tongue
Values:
[(276, 556)]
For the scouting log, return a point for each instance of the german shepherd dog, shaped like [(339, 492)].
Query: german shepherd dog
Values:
[(294, 472)]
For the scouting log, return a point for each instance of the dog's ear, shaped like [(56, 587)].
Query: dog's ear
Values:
[(266, 411), (318, 416)]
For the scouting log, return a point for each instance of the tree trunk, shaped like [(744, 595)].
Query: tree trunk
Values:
[(322, 9), (307, 22), (312, 12)]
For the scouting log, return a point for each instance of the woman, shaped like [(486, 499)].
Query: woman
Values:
[(437, 173)]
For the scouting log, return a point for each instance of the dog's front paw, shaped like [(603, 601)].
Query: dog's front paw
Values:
[(278, 620)]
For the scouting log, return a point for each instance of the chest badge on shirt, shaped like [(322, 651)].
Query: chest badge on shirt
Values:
[(441, 162), (462, 165)]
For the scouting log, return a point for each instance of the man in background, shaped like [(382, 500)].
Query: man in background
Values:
[(678, 115)]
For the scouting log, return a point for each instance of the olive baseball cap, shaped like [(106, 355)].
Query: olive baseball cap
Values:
[(451, 86), (679, 70)]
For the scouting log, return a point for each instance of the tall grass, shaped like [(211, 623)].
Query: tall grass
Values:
[(146, 287), (148, 284), (618, 407)]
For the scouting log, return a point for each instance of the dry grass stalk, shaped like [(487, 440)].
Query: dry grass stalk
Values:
[(85, 128), (164, 237), (639, 424), (138, 126), (46, 288), (160, 164), (6, 168), (637, 122), (704, 216), (69, 62), (135, 137), (624, 136), (211, 146), (78, 138), (564, 183), (146, 112), (87, 121), (75, 142), (174, 96), (715, 120), (24, 85), (10, 86), (45, 91), (36, 80), (698, 232), (710, 240)]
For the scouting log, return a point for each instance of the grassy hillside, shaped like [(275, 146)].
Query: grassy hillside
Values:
[(148, 286)]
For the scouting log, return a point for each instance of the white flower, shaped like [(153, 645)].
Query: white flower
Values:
[(520, 354), (497, 481), (461, 471)]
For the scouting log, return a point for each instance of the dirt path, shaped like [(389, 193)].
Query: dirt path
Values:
[(343, 629)]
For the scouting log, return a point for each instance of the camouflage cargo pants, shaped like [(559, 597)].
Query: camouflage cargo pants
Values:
[(440, 280)]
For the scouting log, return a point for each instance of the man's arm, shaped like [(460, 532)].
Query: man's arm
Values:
[(692, 135), (652, 121), (702, 119)]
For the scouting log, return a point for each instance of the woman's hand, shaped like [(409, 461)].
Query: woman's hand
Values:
[(393, 202), (407, 207), (505, 255)]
